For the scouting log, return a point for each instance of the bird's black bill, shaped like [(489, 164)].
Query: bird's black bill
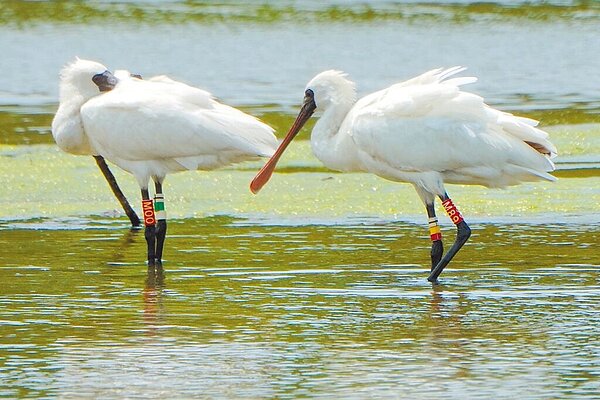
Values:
[(307, 110), (105, 81)]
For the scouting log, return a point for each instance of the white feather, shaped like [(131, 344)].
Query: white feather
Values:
[(153, 127), (428, 131), (76, 87)]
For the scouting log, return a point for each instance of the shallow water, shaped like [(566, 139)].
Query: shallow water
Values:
[(250, 310), (316, 287)]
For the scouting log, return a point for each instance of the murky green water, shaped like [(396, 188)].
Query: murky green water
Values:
[(317, 287), (251, 310)]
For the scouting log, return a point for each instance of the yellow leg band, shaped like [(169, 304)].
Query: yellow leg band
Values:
[(435, 233)]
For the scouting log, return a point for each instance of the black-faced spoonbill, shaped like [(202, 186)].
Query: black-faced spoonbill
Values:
[(425, 131), (151, 128)]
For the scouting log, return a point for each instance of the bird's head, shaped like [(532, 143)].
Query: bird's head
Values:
[(85, 78), (331, 87), (324, 90)]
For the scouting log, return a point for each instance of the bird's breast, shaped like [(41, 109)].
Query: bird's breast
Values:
[(69, 135)]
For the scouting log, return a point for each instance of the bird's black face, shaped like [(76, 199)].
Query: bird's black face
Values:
[(105, 81), (309, 102)]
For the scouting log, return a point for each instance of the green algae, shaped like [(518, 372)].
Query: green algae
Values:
[(20, 13), (46, 183)]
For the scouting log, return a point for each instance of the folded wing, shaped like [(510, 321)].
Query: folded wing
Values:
[(457, 130), (161, 119)]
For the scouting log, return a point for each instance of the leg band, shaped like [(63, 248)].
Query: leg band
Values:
[(452, 211), (159, 207), (148, 211), (434, 230)]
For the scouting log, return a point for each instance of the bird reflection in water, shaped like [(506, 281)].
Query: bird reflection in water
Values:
[(152, 295), (447, 323)]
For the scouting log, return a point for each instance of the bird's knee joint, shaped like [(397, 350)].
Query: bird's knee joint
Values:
[(464, 232)]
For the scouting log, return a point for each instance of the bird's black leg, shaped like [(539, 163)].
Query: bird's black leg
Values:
[(463, 232), (112, 182), (437, 248), (149, 221), (161, 222)]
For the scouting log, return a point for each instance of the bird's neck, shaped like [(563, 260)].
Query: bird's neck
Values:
[(326, 137)]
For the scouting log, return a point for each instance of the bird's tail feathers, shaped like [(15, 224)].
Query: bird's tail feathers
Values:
[(524, 129), (525, 174)]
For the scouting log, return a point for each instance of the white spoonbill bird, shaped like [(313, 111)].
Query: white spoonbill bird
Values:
[(425, 131), (66, 123), (151, 128)]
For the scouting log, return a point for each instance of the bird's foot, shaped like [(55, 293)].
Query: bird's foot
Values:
[(156, 268), (155, 263), (434, 282)]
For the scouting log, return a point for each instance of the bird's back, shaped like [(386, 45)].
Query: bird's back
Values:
[(428, 124), (164, 119)]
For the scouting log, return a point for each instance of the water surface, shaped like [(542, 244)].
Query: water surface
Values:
[(267, 311), (317, 287)]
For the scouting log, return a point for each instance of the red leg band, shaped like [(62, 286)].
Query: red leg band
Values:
[(148, 211), (434, 230), (452, 211)]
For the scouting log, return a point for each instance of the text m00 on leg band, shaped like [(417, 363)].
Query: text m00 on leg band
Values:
[(148, 212)]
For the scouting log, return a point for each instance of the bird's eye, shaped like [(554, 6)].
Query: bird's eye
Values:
[(309, 93)]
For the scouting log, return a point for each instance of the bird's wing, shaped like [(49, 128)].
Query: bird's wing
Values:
[(144, 120), (428, 123), (416, 96)]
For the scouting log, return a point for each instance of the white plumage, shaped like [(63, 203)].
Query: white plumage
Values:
[(425, 131), (153, 127)]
